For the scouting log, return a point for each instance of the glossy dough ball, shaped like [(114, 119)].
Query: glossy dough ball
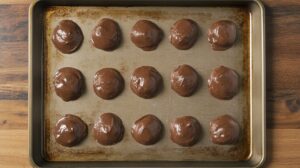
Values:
[(224, 130), (106, 35), (108, 83), (67, 37), (68, 83), (145, 82), (223, 83), (108, 129), (185, 131), (222, 35), (146, 35), (183, 34), (147, 130), (70, 130), (184, 80)]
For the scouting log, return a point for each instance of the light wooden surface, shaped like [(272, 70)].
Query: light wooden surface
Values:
[(283, 83)]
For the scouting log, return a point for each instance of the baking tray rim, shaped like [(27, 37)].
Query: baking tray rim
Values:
[(33, 159)]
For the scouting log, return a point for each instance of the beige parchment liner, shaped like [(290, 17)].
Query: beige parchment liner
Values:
[(167, 105)]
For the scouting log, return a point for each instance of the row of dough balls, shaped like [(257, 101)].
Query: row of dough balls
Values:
[(145, 82), (108, 129), (67, 36)]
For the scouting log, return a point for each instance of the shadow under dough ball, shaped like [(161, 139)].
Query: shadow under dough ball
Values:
[(223, 83), (146, 35), (184, 80), (106, 35), (147, 130), (222, 35), (145, 82), (70, 130), (185, 131), (108, 83), (67, 36), (183, 34), (224, 130), (108, 129), (68, 83)]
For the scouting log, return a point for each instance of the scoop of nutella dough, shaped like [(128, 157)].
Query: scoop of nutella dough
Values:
[(68, 83), (223, 83), (67, 36), (146, 35), (184, 80), (145, 82), (222, 35), (224, 130), (70, 130), (108, 129), (183, 34), (106, 35), (185, 131), (108, 83), (147, 130)]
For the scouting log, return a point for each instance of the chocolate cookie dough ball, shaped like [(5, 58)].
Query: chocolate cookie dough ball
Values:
[(147, 130), (183, 34), (106, 35), (185, 131), (70, 130), (146, 35), (184, 80), (145, 82), (224, 130), (68, 83), (108, 83), (223, 83), (222, 35), (108, 129), (67, 36)]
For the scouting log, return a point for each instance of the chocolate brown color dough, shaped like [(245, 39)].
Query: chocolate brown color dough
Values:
[(67, 36), (223, 83), (183, 34), (222, 35), (185, 131), (224, 130), (184, 80), (108, 129), (106, 35), (68, 83), (70, 130), (108, 83), (146, 35), (145, 82), (147, 130)]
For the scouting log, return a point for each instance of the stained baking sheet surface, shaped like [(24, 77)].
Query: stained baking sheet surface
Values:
[(167, 105)]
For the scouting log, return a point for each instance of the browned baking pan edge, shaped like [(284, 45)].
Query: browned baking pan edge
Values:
[(36, 78)]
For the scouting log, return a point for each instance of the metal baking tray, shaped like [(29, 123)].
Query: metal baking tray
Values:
[(246, 57)]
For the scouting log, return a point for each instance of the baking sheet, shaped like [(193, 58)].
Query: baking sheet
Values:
[(167, 105)]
